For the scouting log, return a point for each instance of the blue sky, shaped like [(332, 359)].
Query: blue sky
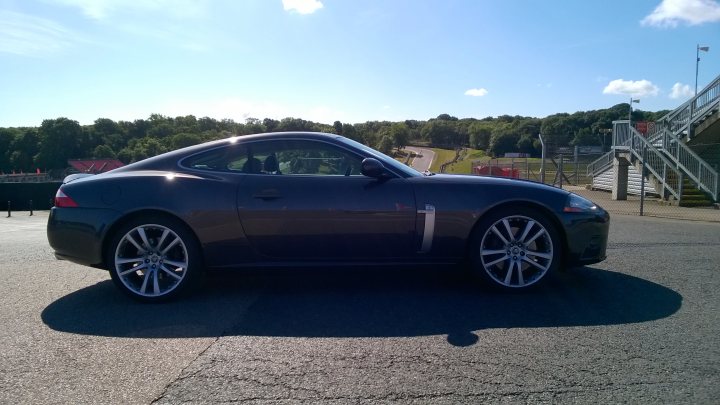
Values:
[(347, 60)]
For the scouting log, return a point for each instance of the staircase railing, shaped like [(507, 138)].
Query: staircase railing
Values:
[(600, 163), (668, 133), (697, 169), (679, 119), (665, 171)]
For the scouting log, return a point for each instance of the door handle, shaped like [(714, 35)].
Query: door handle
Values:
[(267, 195)]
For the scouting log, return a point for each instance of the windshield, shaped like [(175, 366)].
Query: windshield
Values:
[(385, 159)]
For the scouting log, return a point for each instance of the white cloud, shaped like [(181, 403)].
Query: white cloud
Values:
[(680, 90), (670, 13), (27, 35), (638, 88), (302, 6), (476, 92)]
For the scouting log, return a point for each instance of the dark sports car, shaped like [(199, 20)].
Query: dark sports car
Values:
[(311, 199)]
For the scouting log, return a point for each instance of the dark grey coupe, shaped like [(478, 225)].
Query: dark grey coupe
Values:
[(311, 199)]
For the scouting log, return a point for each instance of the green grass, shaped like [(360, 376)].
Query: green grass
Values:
[(441, 156), (464, 164)]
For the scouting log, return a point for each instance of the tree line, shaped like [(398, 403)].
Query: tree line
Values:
[(49, 146)]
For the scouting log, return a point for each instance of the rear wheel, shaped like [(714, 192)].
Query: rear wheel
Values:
[(154, 259), (515, 249)]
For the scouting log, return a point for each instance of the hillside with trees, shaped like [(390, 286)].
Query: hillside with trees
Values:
[(49, 146)]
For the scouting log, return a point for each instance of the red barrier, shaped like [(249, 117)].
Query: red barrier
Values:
[(496, 171)]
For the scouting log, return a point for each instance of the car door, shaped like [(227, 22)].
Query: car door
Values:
[(307, 201)]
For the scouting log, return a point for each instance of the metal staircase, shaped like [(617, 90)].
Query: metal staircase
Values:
[(671, 163)]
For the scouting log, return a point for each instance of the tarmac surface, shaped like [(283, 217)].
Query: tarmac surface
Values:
[(641, 327), (423, 160)]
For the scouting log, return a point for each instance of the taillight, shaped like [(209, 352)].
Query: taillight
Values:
[(63, 200)]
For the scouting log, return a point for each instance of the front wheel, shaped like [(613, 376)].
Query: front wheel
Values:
[(154, 259), (515, 249)]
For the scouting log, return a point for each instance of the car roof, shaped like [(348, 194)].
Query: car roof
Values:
[(165, 160)]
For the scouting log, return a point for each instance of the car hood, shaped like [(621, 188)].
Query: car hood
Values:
[(495, 181)]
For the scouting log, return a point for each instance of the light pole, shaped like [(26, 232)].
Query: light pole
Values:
[(697, 62), (632, 100)]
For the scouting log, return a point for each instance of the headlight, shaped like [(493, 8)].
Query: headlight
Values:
[(575, 203)]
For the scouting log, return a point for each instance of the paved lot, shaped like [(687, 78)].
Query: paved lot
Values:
[(642, 327), (423, 160)]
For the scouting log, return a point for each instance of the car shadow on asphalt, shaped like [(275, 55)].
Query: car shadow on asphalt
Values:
[(304, 303)]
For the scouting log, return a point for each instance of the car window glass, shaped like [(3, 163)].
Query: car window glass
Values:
[(294, 157), (228, 158), (303, 157)]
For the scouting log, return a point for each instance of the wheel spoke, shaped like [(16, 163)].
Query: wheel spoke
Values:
[(497, 260), (170, 272), (176, 264), (508, 276), (534, 263), (492, 252), (137, 245), (173, 243), (143, 236), (499, 235), (507, 228), (156, 285), (529, 226), (537, 235), (521, 281), (133, 269), (539, 254), (165, 233), (128, 260), (145, 281)]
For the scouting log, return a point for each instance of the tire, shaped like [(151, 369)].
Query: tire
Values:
[(154, 259), (515, 249)]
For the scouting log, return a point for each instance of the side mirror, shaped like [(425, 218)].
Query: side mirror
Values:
[(372, 167)]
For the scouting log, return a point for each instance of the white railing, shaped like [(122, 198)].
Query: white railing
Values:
[(680, 118), (599, 164), (698, 170), (665, 171)]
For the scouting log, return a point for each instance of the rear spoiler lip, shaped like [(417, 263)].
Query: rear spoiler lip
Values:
[(76, 176)]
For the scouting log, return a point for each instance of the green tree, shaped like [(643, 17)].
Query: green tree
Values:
[(25, 146), (399, 134), (182, 140), (270, 124), (385, 145), (125, 155), (338, 127), (503, 140), (59, 142), (439, 133), (7, 138), (479, 135), (103, 152)]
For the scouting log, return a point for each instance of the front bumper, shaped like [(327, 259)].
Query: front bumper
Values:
[(77, 234), (587, 237)]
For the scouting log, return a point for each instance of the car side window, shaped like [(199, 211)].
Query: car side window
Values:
[(303, 157), (293, 157), (232, 158)]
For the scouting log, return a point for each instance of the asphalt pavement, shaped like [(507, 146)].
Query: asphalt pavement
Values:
[(423, 160), (641, 327)]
